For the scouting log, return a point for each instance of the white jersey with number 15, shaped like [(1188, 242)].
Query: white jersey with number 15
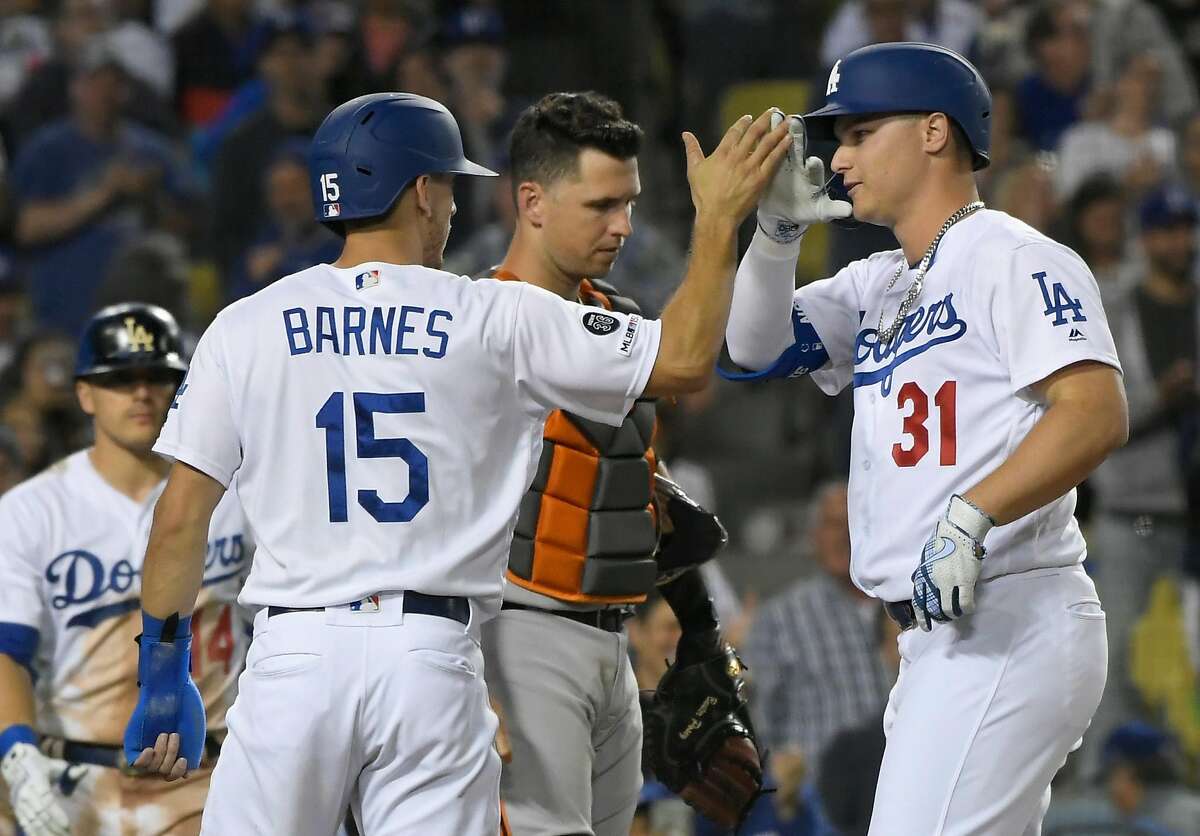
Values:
[(385, 421)]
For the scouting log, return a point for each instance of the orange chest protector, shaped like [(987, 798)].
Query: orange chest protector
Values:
[(586, 531)]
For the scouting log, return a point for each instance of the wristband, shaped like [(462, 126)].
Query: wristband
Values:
[(14, 734)]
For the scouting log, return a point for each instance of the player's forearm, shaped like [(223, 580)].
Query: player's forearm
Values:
[(16, 694), (759, 326), (694, 320), (1070, 440)]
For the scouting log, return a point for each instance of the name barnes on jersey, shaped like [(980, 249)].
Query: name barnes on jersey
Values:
[(356, 329)]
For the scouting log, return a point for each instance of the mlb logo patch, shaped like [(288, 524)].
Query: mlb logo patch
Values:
[(333, 210), (368, 279), (368, 604)]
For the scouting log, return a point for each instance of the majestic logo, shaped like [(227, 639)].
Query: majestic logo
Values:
[(600, 324), (923, 329), (1061, 302), (1076, 335), (368, 279), (137, 336), (834, 79)]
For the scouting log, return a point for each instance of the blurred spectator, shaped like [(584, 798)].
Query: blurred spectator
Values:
[(653, 635), (1189, 153), (1125, 29), (12, 310), (1095, 227), (294, 106), (1138, 530), (85, 185), (813, 653), (46, 94), (474, 59), (291, 240), (12, 462), (215, 52), (37, 400), (25, 41), (151, 269), (850, 763), (1026, 191), (1051, 98), (951, 23), (1144, 791), (1124, 142), (146, 56)]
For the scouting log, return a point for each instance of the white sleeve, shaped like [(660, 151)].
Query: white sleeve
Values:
[(779, 332), (586, 360), (21, 600), (759, 328), (199, 429), (1047, 314)]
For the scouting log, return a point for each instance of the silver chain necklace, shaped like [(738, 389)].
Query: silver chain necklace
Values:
[(911, 295)]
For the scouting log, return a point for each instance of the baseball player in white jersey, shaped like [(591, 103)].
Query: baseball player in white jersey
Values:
[(986, 386), (71, 546), (383, 420)]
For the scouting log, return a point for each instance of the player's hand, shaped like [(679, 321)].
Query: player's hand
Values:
[(163, 758), (502, 743), (944, 582), (31, 776), (796, 195), (728, 182), (165, 735)]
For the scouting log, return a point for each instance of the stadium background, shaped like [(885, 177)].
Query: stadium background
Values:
[(197, 195)]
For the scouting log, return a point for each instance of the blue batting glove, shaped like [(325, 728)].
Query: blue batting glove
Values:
[(168, 700), (944, 581)]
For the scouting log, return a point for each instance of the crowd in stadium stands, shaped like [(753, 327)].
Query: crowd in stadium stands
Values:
[(154, 150)]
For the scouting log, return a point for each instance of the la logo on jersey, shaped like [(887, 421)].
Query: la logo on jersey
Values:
[(1060, 304), (368, 279), (138, 337), (834, 79)]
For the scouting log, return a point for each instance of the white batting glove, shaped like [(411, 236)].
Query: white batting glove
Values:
[(944, 582), (796, 196), (30, 776)]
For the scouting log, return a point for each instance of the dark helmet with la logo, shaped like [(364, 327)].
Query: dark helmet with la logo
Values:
[(130, 335)]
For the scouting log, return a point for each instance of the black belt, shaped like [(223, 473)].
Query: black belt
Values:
[(610, 619), (102, 754), (902, 613), (447, 606)]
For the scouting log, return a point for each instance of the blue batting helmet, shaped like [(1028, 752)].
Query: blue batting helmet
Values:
[(369, 149), (908, 78), (130, 335)]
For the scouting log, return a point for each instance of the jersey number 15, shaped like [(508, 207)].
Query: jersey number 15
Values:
[(332, 418)]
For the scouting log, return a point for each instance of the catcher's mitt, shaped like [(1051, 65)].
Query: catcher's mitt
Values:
[(698, 739), (688, 535)]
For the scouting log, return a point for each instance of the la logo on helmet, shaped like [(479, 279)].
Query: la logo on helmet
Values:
[(834, 78)]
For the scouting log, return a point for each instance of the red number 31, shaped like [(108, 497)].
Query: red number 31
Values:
[(914, 424)]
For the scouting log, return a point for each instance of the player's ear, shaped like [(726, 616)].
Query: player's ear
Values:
[(424, 199), (531, 202), (935, 133), (83, 393)]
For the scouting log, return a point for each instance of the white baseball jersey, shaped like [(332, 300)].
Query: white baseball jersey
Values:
[(948, 400), (71, 552), (385, 421)]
